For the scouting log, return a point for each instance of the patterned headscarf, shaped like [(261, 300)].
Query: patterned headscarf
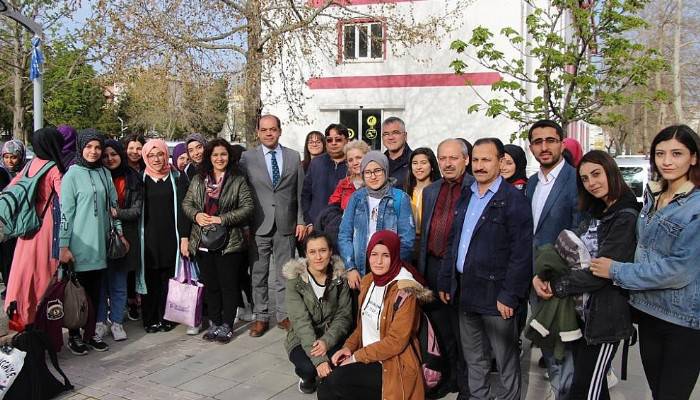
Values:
[(86, 136), (17, 148), (150, 170)]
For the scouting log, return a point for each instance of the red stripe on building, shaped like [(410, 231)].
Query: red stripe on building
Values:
[(404, 81)]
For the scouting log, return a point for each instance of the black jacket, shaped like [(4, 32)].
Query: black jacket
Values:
[(399, 168), (607, 313), (130, 216)]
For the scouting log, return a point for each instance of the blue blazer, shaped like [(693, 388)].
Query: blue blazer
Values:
[(561, 208)]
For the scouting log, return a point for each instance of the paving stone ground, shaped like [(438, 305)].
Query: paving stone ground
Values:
[(174, 366)]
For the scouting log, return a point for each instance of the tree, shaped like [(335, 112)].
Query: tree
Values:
[(585, 62), (246, 37)]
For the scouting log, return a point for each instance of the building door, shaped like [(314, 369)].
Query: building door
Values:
[(364, 124)]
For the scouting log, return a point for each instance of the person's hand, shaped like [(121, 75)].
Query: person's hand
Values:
[(215, 219), (309, 229), (301, 232), (543, 289), (65, 256), (113, 211), (202, 219), (185, 247), (354, 279), (323, 369), (600, 267), (126, 243), (319, 348), (506, 312), (340, 356), (444, 297), (348, 360)]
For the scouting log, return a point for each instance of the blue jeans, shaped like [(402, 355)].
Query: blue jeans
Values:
[(114, 288), (561, 373)]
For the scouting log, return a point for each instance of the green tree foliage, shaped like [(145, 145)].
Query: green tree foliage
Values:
[(575, 61)]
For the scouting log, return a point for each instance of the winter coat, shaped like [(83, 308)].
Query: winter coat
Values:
[(343, 192), (328, 318), (607, 314), (319, 183), (129, 217), (402, 376), (235, 209)]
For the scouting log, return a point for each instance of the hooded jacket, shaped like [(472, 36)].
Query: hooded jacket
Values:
[(328, 318), (402, 376)]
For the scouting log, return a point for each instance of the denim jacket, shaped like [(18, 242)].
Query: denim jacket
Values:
[(395, 214), (664, 279)]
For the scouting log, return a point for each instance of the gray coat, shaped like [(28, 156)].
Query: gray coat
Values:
[(280, 206)]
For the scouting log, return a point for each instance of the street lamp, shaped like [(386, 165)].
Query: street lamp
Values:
[(33, 27)]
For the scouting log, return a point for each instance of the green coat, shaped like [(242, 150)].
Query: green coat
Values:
[(235, 209), (327, 319)]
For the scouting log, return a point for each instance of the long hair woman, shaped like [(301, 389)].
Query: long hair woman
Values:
[(314, 146), (219, 197), (664, 279), (424, 171)]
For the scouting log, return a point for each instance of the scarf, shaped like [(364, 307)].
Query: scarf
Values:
[(69, 144), (86, 136), (391, 240), (150, 170), (212, 188), (17, 148), (520, 160), (383, 162), (47, 144)]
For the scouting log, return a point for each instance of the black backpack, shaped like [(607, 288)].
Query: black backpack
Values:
[(35, 381)]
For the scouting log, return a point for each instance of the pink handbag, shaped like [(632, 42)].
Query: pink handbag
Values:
[(185, 296)]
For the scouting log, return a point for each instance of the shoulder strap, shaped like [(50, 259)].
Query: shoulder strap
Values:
[(54, 360)]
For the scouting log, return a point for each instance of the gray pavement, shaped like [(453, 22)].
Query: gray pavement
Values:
[(174, 366)]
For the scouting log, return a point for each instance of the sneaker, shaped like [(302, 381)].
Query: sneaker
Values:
[(133, 312), (118, 332), (76, 346), (97, 344), (612, 379), (306, 387), (193, 330), (211, 333), (244, 314), (101, 330), (224, 334)]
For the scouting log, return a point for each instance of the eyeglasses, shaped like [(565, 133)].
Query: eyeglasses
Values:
[(157, 155), (315, 142), (374, 172), (335, 140), (549, 140), (392, 133)]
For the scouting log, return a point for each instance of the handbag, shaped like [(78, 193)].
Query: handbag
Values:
[(116, 248), (75, 303), (214, 237), (185, 296)]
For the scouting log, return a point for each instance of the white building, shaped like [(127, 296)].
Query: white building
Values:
[(368, 83)]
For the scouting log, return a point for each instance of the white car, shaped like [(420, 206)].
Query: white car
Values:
[(635, 172)]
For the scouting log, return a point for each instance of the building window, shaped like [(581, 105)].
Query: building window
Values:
[(363, 41)]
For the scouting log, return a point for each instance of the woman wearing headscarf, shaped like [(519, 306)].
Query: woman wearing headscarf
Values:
[(165, 231), (129, 190), (513, 167), (180, 159), (70, 136), (372, 208), (36, 257), (86, 201), (378, 360), (14, 156)]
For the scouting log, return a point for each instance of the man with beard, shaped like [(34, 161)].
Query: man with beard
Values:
[(553, 195)]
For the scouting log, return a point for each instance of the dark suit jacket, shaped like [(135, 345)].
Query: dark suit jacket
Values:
[(430, 195), (278, 206)]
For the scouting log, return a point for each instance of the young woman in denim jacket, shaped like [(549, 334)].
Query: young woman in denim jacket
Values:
[(375, 207), (664, 279)]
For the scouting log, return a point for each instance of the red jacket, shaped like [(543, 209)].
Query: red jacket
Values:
[(342, 193)]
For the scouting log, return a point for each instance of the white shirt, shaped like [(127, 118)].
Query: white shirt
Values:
[(268, 159), (542, 190), (372, 308), (373, 215), (318, 289)]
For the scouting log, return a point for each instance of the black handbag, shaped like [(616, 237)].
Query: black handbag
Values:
[(116, 248), (214, 237)]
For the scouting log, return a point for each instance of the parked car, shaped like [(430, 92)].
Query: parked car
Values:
[(635, 172)]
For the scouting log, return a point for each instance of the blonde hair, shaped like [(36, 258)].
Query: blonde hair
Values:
[(357, 145)]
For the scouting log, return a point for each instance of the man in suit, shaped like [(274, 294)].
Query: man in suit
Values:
[(276, 176), (553, 196), (439, 203), (487, 272)]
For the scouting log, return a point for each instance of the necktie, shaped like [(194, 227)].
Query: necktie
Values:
[(275, 169)]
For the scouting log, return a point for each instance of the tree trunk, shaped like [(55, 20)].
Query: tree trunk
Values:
[(252, 73), (677, 90), (645, 129), (17, 105)]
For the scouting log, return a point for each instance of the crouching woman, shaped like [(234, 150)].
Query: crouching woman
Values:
[(319, 308), (378, 360)]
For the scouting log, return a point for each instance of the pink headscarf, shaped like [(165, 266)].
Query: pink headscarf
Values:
[(575, 149), (150, 171)]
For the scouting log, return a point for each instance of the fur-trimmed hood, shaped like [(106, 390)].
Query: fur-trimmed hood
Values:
[(422, 293), (297, 268)]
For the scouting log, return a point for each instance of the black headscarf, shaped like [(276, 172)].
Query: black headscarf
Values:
[(47, 144), (123, 167), (518, 156), (86, 136)]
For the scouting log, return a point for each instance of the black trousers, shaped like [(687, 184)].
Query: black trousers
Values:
[(7, 252), (353, 381), (591, 364), (244, 281), (221, 278), (670, 356), (153, 303), (303, 366), (91, 281)]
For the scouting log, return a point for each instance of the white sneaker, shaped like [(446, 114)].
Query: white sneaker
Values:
[(118, 332), (612, 379), (193, 330), (101, 330), (244, 314)]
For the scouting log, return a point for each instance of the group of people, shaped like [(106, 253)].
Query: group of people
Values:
[(463, 236)]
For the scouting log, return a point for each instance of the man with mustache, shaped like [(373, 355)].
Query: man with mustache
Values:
[(487, 272), (553, 196), (439, 202)]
